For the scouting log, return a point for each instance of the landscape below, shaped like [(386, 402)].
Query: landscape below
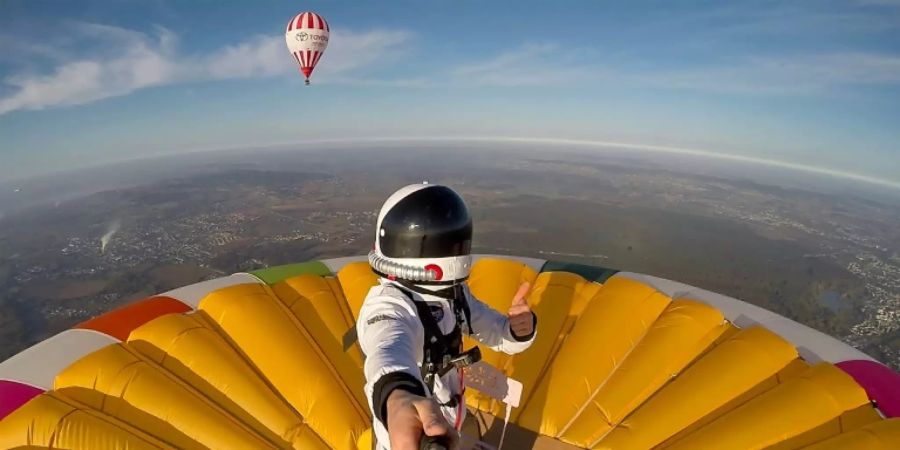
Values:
[(827, 259)]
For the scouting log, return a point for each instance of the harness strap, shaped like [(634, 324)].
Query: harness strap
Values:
[(439, 348)]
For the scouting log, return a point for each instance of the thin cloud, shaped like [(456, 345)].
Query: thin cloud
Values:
[(141, 61), (22, 50), (798, 75), (257, 57), (265, 56), (132, 60), (734, 21), (895, 3), (528, 65), (349, 52)]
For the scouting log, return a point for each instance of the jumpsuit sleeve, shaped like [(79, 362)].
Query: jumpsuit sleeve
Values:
[(391, 337), (491, 328)]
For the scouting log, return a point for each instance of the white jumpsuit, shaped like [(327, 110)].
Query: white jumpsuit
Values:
[(392, 338)]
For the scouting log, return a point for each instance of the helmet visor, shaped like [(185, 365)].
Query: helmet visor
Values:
[(429, 223)]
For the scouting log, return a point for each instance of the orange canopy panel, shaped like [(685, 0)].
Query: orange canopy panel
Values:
[(120, 322)]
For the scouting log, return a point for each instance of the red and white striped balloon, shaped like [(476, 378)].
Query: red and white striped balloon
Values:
[(307, 37)]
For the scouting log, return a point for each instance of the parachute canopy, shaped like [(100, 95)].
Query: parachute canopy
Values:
[(307, 37), (621, 361)]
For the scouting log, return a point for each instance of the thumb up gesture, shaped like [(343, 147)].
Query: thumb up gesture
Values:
[(521, 319)]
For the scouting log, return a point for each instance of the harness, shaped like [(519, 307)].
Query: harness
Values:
[(443, 353)]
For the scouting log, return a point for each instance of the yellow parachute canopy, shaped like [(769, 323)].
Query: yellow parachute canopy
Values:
[(622, 361)]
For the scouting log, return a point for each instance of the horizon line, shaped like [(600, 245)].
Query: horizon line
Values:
[(670, 150), (518, 139)]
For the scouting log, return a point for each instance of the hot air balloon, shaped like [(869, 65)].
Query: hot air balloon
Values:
[(621, 361), (307, 37)]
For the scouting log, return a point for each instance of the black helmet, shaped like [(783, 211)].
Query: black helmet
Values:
[(424, 234)]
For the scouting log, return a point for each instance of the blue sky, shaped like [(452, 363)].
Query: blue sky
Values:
[(812, 84)]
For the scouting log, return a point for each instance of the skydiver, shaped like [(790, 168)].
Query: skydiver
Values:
[(410, 326)]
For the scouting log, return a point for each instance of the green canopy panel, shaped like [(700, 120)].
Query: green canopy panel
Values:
[(272, 275), (593, 273)]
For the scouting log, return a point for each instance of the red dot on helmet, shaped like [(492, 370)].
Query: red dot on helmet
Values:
[(437, 271)]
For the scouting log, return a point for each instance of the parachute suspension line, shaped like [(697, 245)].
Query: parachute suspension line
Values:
[(505, 423), (462, 403)]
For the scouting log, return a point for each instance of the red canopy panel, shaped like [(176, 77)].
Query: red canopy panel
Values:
[(119, 323)]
